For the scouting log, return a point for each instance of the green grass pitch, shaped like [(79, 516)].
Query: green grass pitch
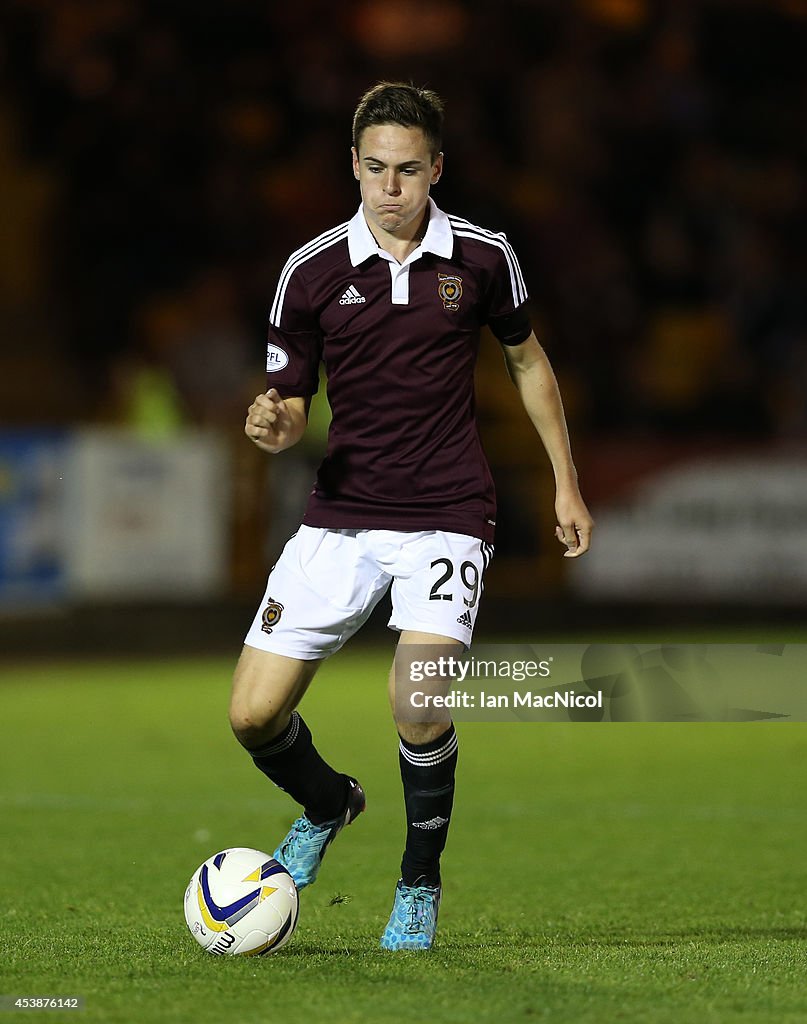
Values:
[(635, 872)]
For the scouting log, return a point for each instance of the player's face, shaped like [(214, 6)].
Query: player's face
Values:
[(395, 171)]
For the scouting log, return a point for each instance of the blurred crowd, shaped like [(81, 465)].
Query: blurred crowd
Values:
[(159, 160)]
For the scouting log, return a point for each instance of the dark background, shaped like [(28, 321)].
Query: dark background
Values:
[(159, 161)]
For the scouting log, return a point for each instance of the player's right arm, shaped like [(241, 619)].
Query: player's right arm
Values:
[(274, 423), (293, 352)]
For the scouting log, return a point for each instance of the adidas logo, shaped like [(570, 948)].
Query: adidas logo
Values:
[(431, 824), (465, 620), (352, 297)]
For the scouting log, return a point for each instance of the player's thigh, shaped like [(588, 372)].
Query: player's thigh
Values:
[(267, 687), (419, 681)]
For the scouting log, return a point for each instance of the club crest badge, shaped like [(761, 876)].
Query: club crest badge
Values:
[(449, 288), (271, 615)]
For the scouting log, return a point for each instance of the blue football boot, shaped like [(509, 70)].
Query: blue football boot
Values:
[(413, 920), (302, 850)]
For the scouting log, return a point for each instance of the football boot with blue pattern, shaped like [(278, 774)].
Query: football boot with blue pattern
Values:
[(302, 850), (413, 921)]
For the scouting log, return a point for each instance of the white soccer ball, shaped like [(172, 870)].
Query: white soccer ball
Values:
[(241, 902)]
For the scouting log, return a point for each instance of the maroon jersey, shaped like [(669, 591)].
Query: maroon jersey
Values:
[(399, 344)]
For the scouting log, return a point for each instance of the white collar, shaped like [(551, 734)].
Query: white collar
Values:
[(439, 238)]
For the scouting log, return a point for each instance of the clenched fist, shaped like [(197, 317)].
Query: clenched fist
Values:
[(274, 423)]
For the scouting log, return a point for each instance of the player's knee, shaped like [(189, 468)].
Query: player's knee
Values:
[(422, 732), (254, 723)]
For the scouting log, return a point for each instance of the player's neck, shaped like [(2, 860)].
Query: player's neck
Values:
[(400, 246)]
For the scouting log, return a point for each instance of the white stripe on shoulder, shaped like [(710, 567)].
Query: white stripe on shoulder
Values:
[(465, 229), (297, 258)]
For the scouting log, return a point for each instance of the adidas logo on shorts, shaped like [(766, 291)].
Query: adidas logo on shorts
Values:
[(352, 297), (465, 620)]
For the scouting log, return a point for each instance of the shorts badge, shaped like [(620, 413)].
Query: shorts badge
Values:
[(449, 288), (271, 615)]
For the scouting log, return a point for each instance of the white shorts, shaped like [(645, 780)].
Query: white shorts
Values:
[(327, 582)]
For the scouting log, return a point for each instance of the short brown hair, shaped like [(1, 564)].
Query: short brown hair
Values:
[(406, 105)]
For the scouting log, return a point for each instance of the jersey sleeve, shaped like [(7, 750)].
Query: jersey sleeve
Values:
[(294, 342), (506, 312)]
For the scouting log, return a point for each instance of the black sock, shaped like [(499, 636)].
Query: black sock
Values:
[(292, 762), (427, 773)]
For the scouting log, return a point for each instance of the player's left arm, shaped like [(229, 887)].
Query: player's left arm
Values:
[(537, 386)]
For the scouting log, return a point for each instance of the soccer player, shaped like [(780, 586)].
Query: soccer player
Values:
[(392, 302)]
